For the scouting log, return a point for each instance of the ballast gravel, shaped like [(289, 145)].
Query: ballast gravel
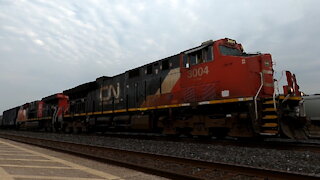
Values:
[(286, 160)]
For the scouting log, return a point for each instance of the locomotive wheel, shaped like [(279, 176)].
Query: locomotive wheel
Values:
[(219, 133), (77, 130), (57, 127)]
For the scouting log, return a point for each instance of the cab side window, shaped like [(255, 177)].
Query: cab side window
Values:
[(185, 61), (199, 56), (194, 58), (207, 54)]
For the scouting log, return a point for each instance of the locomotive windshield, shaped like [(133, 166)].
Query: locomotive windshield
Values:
[(228, 51)]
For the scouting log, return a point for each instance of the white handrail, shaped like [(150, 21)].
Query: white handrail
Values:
[(55, 114), (255, 97), (275, 84)]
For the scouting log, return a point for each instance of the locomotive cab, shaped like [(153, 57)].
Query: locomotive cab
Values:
[(227, 70), (220, 71)]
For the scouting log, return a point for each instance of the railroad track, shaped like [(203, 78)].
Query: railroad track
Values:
[(168, 166), (268, 143)]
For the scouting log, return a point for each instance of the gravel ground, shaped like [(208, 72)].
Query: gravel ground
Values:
[(294, 161)]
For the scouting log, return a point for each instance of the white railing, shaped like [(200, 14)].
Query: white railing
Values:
[(256, 96), (275, 88)]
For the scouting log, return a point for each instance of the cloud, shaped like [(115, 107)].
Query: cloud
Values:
[(49, 46), (38, 41)]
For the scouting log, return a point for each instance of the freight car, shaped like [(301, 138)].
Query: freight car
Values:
[(213, 89), (312, 110), (9, 117)]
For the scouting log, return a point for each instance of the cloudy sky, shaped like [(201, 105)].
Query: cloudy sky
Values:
[(49, 46)]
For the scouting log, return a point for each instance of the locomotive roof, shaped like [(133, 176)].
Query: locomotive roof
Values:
[(204, 44), (52, 97), (207, 43), (152, 62), (81, 88), (102, 78), (17, 107), (49, 98)]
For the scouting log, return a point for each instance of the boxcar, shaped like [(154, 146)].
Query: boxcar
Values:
[(9, 117)]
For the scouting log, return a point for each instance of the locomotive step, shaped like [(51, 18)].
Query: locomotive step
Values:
[(269, 102), (269, 110), (270, 125), (269, 132), (270, 117)]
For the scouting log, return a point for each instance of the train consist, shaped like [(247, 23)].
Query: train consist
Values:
[(215, 89)]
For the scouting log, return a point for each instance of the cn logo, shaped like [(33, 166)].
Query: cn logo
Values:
[(109, 91)]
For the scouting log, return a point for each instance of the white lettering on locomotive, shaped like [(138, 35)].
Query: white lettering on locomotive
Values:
[(198, 72), (109, 91)]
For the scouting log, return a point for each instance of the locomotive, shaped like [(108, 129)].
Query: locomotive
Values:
[(215, 89)]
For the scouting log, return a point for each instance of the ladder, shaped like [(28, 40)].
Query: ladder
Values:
[(270, 120)]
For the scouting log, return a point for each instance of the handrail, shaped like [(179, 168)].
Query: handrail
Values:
[(276, 86), (55, 115), (255, 97)]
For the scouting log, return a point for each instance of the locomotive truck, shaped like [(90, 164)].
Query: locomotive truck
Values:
[(215, 89)]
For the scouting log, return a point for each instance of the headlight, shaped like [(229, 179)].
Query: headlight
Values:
[(290, 90)]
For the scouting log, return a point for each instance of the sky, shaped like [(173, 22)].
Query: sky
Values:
[(49, 46)]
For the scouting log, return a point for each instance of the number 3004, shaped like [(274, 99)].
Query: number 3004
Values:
[(198, 72)]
